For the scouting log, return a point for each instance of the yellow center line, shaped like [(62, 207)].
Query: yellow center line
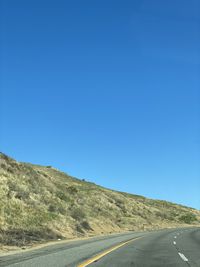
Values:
[(104, 253)]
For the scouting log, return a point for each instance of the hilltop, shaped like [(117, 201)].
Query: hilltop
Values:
[(41, 203)]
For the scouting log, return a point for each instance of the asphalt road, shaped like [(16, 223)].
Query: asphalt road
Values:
[(164, 248), (177, 248)]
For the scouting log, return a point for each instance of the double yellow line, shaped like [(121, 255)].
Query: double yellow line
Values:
[(104, 253)]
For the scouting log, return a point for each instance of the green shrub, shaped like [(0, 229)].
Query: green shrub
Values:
[(188, 218), (78, 214), (63, 196), (85, 224)]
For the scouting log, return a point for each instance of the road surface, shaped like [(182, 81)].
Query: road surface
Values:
[(177, 248), (164, 248)]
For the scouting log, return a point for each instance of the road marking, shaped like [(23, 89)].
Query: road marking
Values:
[(174, 242), (104, 253), (175, 236), (183, 256)]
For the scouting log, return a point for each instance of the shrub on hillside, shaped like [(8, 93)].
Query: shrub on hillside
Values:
[(85, 224), (78, 214), (188, 218), (20, 237)]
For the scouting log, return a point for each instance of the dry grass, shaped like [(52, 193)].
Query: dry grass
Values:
[(41, 203)]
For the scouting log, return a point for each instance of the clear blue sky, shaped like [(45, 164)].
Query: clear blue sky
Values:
[(105, 90)]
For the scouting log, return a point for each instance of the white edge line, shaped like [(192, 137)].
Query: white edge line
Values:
[(183, 256)]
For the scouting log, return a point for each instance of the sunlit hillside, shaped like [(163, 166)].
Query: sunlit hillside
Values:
[(40, 203)]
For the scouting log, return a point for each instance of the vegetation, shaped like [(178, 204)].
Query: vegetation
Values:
[(188, 218), (39, 203)]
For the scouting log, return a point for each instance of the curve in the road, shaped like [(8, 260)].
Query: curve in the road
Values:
[(106, 252)]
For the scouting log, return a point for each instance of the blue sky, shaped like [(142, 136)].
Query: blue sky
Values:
[(105, 90)]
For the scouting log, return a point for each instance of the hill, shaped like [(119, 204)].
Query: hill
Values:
[(40, 203)]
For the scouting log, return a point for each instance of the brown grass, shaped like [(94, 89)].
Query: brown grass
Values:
[(40, 203)]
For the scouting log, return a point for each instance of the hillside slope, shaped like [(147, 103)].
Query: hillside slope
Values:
[(40, 203)]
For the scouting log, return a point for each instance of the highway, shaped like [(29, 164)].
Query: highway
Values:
[(164, 248), (176, 248)]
